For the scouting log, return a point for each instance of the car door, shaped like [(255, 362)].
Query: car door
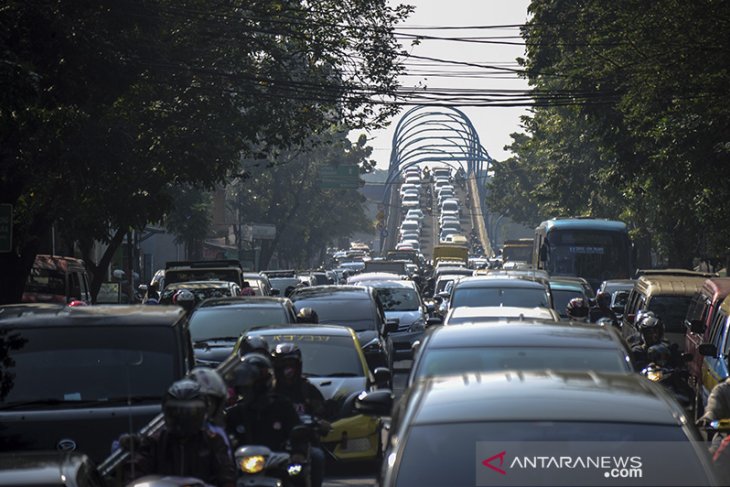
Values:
[(714, 368)]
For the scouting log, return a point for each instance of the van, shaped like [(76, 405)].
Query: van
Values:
[(713, 352), (57, 279), (668, 294), (701, 314)]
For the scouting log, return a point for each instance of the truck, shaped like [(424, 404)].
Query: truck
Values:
[(450, 252)]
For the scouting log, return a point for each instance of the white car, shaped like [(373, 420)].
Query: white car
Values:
[(415, 213)]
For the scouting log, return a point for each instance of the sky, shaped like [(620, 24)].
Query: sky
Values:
[(493, 124)]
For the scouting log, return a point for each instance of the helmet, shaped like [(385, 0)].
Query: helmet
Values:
[(255, 374), (651, 329), (577, 308), (603, 299), (307, 315), (184, 298), (287, 362), (212, 386), (253, 344), (659, 354), (185, 408)]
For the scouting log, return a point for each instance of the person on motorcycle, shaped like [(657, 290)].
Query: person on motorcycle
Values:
[(185, 299), (261, 416), (307, 315), (247, 290), (215, 391), (304, 395), (651, 332), (577, 309), (603, 308), (185, 446)]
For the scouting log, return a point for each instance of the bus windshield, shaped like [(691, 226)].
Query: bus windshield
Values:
[(594, 255)]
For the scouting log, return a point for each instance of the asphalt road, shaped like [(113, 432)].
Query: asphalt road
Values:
[(361, 475)]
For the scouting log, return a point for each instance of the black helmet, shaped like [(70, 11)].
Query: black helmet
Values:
[(577, 308), (254, 375), (185, 408), (651, 329), (287, 362), (603, 299), (659, 354), (253, 344), (307, 315), (213, 387), (184, 298)]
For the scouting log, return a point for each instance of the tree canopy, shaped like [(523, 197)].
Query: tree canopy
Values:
[(107, 107), (638, 126)]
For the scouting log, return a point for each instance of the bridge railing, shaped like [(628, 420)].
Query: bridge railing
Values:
[(477, 215)]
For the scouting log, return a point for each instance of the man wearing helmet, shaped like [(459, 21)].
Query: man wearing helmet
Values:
[(307, 315), (303, 394), (261, 416), (184, 447), (603, 309), (577, 310), (650, 333), (215, 391)]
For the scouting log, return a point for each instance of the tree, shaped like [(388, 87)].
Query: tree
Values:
[(629, 121), (107, 107)]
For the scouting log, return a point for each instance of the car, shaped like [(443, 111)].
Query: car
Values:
[(490, 428), (482, 314), (714, 366), (402, 303), (202, 290), (500, 291), (355, 306), (415, 213), (260, 284), (613, 285), (365, 277), (333, 361), (412, 243), (520, 344), (282, 279), (56, 279), (216, 324), (78, 378), (49, 469), (20, 309), (229, 270)]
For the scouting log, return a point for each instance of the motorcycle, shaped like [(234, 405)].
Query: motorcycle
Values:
[(259, 466), (673, 379)]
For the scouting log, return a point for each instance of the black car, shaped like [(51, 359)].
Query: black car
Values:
[(48, 469), (216, 324), (520, 344), (354, 306), (78, 378), (489, 429)]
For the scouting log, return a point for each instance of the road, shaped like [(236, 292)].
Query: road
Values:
[(364, 475)]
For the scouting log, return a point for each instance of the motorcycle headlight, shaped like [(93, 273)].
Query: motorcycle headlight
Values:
[(655, 375), (294, 469), (253, 464), (418, 325), (372, 346)]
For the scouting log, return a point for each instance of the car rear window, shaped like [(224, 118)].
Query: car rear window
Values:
[(398, 299), (672, 310), (324, 355), (357, 313), (429, 447), (500, 296), (445, 361), (225, 321), (561, 298), (46, 281), (73, 364)]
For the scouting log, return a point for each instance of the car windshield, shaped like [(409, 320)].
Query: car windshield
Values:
[(500, 296), (231, 321), (357, 313), (445, 361), (398, 299), (431, 446), (561, 298), (46, 281), (672, 310), (324, 355), (186, 275), (89, 363)]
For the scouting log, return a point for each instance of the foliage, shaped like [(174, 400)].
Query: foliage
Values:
[(190, 220), (639, 125), (107, 107), (286, 192)]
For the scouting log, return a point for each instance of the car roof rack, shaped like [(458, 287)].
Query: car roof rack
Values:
[(674, 272)]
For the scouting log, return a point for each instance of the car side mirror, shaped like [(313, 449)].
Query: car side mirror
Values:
[(382, 377), (391, 326), (697, 326), (444, 295), (275, 292), (707, 350), (415, 347), (435, 321), (375, 403)]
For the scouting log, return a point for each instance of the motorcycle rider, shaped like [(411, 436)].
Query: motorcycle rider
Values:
[(184, 447), (261, 416), (307, 315), (577, 309), (651, 332), (304, 395), (185, 299), (215, 391), (603, 308)]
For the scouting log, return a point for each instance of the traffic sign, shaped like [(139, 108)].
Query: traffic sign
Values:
[(339, 177), (6, 228)]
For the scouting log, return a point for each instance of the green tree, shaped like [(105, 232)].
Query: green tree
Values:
[(107, 107)]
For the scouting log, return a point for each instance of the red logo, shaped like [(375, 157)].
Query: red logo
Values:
[(488, 462)]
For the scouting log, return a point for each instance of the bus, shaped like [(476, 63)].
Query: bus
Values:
[(595, 249)]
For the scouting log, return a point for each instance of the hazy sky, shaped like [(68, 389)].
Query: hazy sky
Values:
[(494, 124)]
